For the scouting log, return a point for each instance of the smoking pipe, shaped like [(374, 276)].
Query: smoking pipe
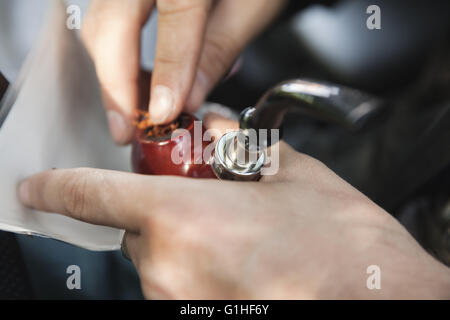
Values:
[(241, 155), (341, 105), (154, 154)]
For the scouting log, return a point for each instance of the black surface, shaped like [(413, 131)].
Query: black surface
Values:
[(14, 282)]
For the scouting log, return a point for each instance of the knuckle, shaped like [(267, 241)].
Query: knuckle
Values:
[(220, 54), (307, 168), (312, 163), (153, 215), (153, 286), (144, 268), (147, 222), (167, 215), (316, 170), (166, 59), (309, 162), (171, 7), (74, 193)]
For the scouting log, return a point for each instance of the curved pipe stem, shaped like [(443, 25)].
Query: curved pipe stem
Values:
[(331, 103)]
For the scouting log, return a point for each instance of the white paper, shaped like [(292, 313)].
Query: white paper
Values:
[(56, 121)]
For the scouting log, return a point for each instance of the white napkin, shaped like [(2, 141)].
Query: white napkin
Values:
[(56, 121)]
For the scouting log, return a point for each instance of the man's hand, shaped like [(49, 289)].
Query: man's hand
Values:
[(198, 40), (303, 233)]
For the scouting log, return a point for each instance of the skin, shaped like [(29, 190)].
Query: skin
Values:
[(303, 233), (197, 43)]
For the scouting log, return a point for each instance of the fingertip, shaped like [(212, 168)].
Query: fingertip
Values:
[(23, 191), (162, 105), (121, 130)]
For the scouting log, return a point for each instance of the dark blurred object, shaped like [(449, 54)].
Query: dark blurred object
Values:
[(427, 216), (376, 60), (332, 43), (3, 85), (413, 166), (436, 235), (14, 282), (414, 146)]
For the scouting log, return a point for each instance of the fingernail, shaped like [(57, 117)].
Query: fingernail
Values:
[(117, 126), (161, 104), (24, 192)]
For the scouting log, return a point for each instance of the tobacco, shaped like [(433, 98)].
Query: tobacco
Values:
[(150, 130)]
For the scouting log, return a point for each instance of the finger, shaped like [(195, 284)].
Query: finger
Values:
[(233, 23), (131, 244), (111, 32), (217, 122), (96, 196), (181, 26)]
